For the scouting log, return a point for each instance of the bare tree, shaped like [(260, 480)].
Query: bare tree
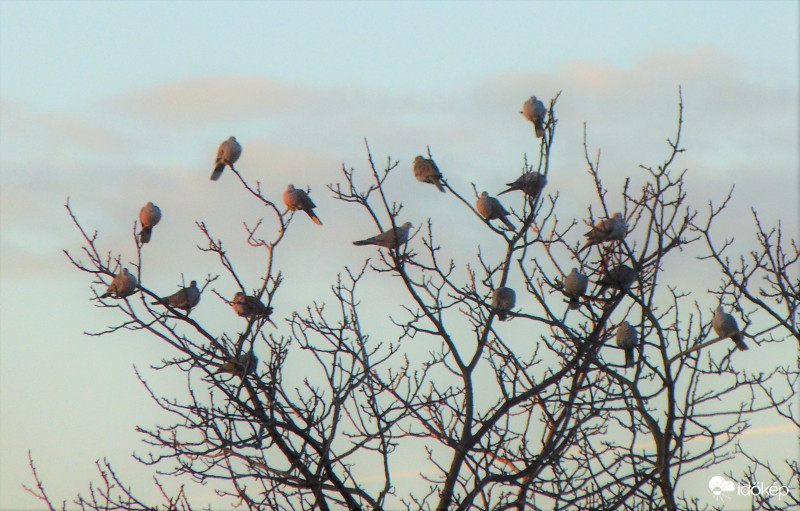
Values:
[(544, 411)]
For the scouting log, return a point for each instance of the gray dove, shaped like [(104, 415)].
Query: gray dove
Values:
[(534, 111), (725, 326), (229, 151), (575, 285), (426, 171), (149, 216), (124, 284), (491, 209), (607, 229), (249, 306), (185, 298), (627, 339), (531, 183), (503, 300), (389, 239), (619, 277), (298, 200), (246, 363)]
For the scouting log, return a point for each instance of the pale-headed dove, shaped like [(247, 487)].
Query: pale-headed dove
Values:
[(607, 229), (389, 239), (426, 171), (575, 285), (627, 339), (725, 326), (298, 200), (491, 209), (244, 364), (534, 111), (249, 306), (149, 216), (123, 284), (503, 300), (229, 151), (531, 183), (185, 298), (619, 277)]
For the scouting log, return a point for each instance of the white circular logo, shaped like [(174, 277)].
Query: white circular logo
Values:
[(719, 484)]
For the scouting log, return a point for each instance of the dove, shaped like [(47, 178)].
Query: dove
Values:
[(426, 171), (627, 340), (185, 298), (229, 151), (298, 200), (531, 183), (725, 326), (491, 209), (389, 239), (534, 111), (246, 363), (607, 229), (149, 216), (503, 300), (619, 277), (124, 284), (575, 285), (249, 306)]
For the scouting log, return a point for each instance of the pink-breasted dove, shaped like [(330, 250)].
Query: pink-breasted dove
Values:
[(725, 326), (627, 339), (229, 151), (244, 364), (607, 229), (531, 183), (185, 298), (491, 209), (149, 216), (503, 300), (123, 284), (389, 239), (298, 200), (575, 285), (619, 277), (426, 171), (534, 111)]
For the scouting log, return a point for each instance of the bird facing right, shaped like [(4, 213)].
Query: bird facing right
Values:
[(389, 239)]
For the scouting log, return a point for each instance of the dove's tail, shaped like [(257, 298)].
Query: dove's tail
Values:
[(539, 130), (144, 236), (505, 191), (314, 217), (739, 340), (362, 242), (508, 224), (439, 186), (574, 303), (629, 357), (218, 170), (502, 316), (106, 294)]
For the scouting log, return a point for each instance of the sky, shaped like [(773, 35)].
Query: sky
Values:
[(114, 104)]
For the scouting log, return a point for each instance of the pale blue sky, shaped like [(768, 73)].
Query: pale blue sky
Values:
[(118, 103)]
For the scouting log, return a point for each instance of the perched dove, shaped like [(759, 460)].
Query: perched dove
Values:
[(426, 171), (575, 285), (185, 298), (229, 151), (607, 229), (503, 300), (246, 363), (619, 277), (249, 306), (389, 239), (491, 209), (627, 340), (725, 326), (124, 284), (531, 183), (534, 111), (149, 216), (298, 200)]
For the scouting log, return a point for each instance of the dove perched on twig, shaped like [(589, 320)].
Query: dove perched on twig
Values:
[(249, 306), (725, 326), (607, 229), (534, 111), (389, 239), (575, 285), (531, 183), (246, 363), (124, 284), (298, 200), (619, 277), (149, 216), (627, 339), (503, 300), (229, 151), (491, 209), (185, 298), (426, 171)]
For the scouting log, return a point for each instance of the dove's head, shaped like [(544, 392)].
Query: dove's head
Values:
[(125, 272), (617, 216), (720, 310), (232, 138), (574, 271), (484, 194), (193, 284), (407, 225), (290, 188)]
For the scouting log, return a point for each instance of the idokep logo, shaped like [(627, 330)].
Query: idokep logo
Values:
[(720, 486)]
